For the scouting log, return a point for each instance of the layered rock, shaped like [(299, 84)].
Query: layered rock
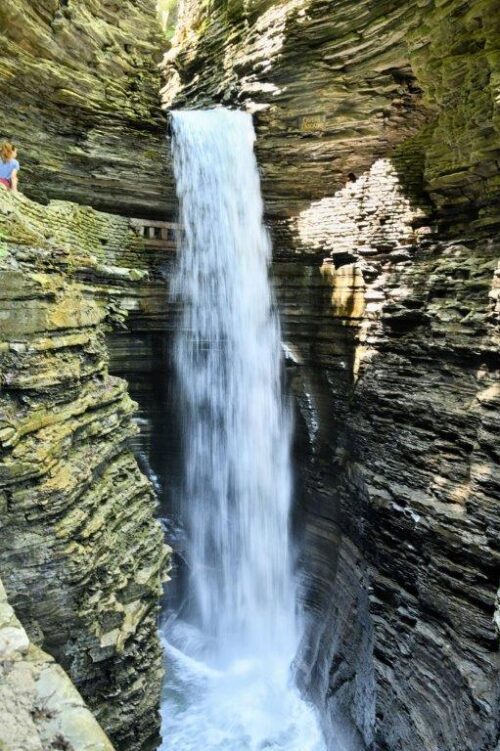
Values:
[(81, 555), (79, 84), (397, 388), (378, 137), (39, 708), (336, 86), (320, 76)]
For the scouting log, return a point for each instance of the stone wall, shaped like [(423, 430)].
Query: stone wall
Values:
[(79, 84), (378, 139), (81, 555)]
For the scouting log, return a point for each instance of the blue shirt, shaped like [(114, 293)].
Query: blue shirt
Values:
[(7, 168)]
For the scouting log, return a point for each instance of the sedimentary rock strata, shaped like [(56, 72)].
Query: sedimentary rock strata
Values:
[(82, 557), (79, 87), (378, 140), (399, 397), (39, 706), (337, 85), (378, 137)]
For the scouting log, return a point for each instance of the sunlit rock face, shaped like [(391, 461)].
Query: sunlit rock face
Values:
[(377, 138), (79, 84), (81, 554), (39, 706), (336, 86)]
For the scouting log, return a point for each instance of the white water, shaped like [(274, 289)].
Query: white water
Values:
[(228, 683)]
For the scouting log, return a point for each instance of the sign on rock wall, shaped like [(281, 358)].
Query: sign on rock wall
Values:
[(313, 123)]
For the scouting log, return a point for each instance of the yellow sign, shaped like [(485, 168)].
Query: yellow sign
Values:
[(311, 123)]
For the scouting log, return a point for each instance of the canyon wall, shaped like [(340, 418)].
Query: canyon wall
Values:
[(378, 139), (336, 86), (79, 86), (81, 555)]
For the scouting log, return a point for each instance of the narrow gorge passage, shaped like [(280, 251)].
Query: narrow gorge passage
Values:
[(232, 642), (249, 500)]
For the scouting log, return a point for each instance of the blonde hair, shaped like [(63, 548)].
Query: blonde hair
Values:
[(7, 151)]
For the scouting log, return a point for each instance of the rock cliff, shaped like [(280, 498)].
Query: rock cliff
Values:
[(40, 708), (378, 138), (337, 85), (79, 85), (81, 554)]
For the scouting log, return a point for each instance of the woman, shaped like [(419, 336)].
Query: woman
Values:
[(9, 166)]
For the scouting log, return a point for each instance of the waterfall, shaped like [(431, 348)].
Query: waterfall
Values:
[(230, 687), (237, 474)]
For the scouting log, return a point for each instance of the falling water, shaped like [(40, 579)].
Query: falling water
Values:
[(229, 685)]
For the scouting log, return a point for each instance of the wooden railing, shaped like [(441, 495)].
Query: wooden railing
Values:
[(161, 235)]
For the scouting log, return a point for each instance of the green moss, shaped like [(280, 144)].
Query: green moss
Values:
[(454, 51), (84, 106)]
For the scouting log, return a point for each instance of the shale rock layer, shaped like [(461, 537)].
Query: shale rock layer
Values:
[(79, 87), (337, 85), (39, 708), (378, 137), (81, 555)]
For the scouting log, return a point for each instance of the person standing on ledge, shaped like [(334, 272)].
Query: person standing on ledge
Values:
[(9, 166)]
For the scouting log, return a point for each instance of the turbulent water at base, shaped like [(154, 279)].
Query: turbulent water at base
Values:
[(228, 659)]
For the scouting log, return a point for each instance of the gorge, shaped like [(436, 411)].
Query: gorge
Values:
[(377, 143)]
